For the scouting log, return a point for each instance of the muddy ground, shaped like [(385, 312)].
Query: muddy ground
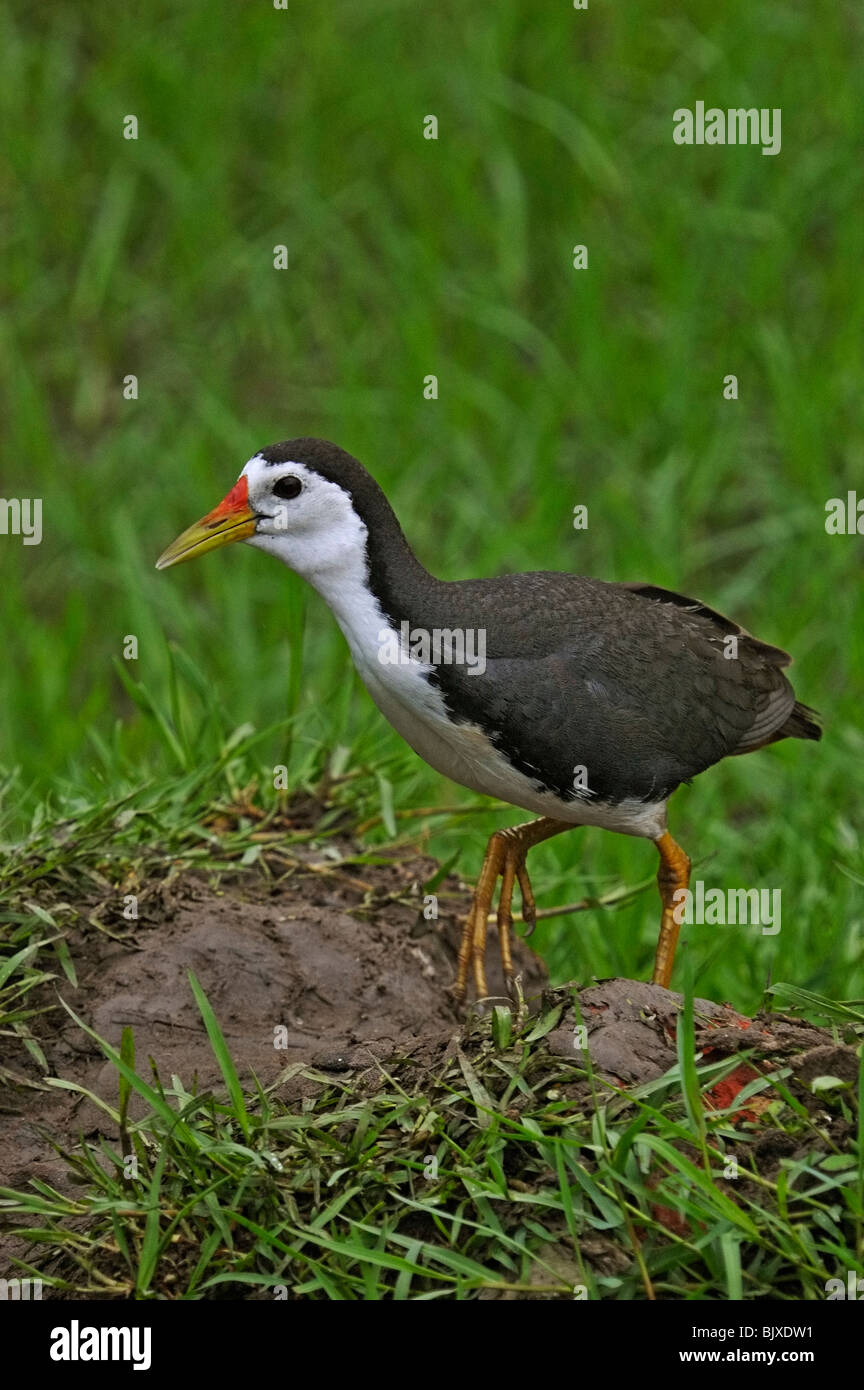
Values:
[(335, 967)]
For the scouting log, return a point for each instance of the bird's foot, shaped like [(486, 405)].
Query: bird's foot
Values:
[(504, 859)]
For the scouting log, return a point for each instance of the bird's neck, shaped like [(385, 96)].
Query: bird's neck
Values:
[(365, 571)]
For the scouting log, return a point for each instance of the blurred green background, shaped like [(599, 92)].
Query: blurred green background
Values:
[(406, 257)]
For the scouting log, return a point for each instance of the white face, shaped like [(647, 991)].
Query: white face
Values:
[(306, 521)]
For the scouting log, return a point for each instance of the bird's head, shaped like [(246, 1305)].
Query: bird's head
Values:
[(300, 500)]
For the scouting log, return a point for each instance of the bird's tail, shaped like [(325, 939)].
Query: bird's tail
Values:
[(803, 722)]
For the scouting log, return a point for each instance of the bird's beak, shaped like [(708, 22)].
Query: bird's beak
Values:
[(232, 520)]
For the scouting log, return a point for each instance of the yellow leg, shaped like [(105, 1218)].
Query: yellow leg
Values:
[(674, 873), (504, 859)]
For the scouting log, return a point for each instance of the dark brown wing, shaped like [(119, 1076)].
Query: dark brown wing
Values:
[(642, 686)]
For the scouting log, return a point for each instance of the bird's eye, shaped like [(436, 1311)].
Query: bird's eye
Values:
[(287, 487)]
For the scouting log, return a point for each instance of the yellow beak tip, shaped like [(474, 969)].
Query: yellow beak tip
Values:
[(208, 534), (167, 559)]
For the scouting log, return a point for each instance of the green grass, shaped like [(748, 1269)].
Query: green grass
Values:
[(548, 1181), (482, 1177)]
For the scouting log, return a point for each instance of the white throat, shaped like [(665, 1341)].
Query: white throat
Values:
[(333, 560)]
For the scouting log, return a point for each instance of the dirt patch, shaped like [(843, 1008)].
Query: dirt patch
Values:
[(335, 967), (631, 1029)]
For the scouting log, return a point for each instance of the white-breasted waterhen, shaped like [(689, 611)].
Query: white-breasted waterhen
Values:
[(593, 700)]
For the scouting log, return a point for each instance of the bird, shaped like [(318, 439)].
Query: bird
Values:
[(583, 701)]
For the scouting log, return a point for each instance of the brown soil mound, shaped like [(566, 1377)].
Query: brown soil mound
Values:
[(333, 968)]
